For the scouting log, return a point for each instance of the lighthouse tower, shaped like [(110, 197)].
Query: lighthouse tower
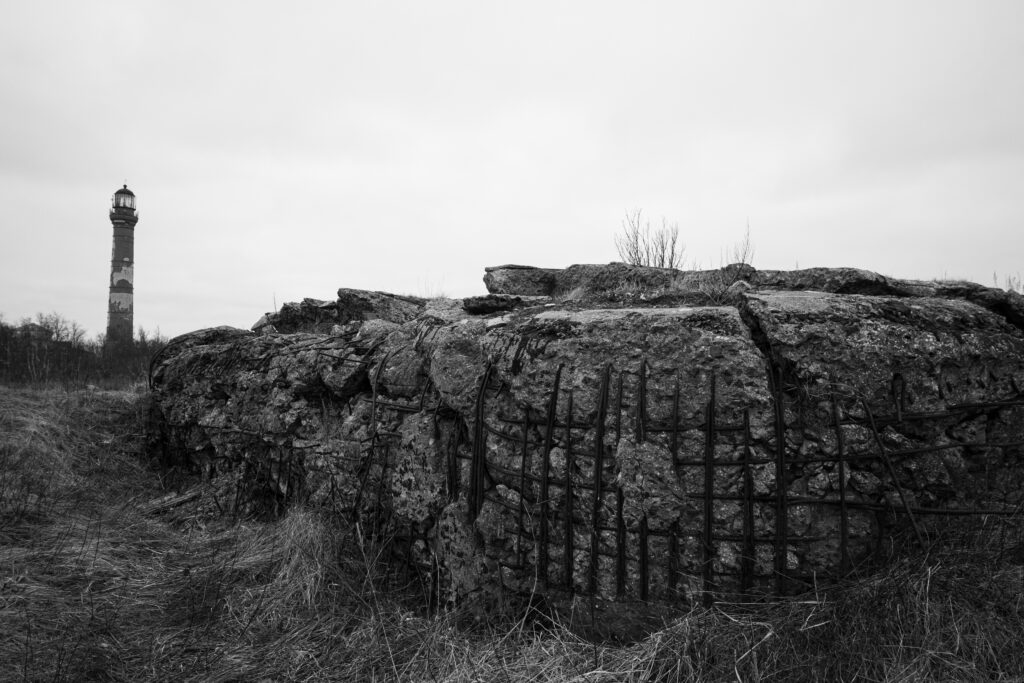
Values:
[(122, 262)]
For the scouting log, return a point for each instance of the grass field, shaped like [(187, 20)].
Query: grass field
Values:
[(111, 570)]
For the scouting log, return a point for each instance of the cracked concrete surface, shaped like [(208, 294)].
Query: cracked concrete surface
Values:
[(374, 404)]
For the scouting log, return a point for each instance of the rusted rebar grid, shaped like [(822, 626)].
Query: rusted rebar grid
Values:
[(597, 501)]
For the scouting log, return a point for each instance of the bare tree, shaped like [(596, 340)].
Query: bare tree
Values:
[(60, 327), (742, 251), (640, 245)]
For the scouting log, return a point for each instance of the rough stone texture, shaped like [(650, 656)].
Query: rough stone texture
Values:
[(310, 315), (624, 283), (495, 303), (524, 280), (356, 304), (314, 315), (613, 278), (560, 448), (943, 350)]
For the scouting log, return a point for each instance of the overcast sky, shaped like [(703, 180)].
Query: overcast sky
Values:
[(283, 150)]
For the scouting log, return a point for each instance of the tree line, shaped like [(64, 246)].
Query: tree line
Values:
[(52, 349)]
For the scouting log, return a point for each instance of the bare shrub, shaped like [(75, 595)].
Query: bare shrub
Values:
[(742, 251), (641, 245), (716, 286), (1013, 283)]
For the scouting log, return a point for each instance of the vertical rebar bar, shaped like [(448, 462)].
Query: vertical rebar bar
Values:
[(641, 404), (408, 575), (618, 410), (709, 502), (892, 471), (595, 533), (423, 394), (781, 526), (568, 559), (373, 402), (434, 578), (378, 522), (524, 456), (453, 463), (674, 443), (844, 523), (545, 473), (620, 545), (673, 558), (747, 557), (644, 568), (364, 475), (477, 464), (897, 389)]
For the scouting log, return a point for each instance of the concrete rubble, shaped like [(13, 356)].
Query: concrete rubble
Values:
[(552, 438)]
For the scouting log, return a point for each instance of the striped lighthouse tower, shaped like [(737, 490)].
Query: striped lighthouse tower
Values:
[(122, 263)]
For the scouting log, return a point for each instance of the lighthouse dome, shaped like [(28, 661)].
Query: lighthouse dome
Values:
[(123, 199)]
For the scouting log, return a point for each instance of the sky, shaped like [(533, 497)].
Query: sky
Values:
[(283, 150)]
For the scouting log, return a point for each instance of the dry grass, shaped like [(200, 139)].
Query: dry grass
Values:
[(105, 577)]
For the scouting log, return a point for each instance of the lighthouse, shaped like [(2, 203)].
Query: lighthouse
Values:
[(122, 263)]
